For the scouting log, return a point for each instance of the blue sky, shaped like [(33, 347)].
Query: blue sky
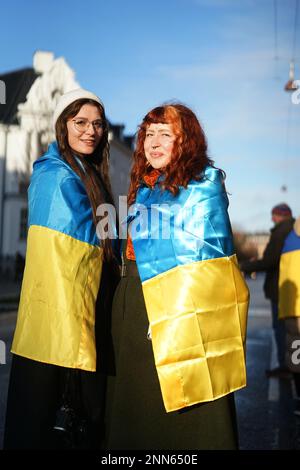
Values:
[(216, 56)]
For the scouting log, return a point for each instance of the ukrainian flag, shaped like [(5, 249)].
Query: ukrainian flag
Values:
[(56, 315), (289, 277), (195, 295)]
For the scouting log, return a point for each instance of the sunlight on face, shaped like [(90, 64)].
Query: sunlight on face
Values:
[(158, 144), (85, 142)]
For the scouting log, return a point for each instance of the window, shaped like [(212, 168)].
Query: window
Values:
[(23, 223)]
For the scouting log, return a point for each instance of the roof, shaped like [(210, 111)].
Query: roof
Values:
[(17, 84)]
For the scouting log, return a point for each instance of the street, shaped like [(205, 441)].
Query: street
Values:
[(265, 407), (7, 325)]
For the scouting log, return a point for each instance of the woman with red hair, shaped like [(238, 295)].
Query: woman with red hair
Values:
[(179, 312)]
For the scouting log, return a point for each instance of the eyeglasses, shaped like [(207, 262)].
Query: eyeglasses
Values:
[(82, 125)]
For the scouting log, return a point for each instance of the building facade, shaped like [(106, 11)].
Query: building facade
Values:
[(25, 132)]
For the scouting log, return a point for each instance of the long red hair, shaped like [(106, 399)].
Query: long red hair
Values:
[(189, 156)]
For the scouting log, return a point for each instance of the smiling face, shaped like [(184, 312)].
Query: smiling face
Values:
[(84, 142), (158, 144)]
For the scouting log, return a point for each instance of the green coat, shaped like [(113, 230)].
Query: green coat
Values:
[(136, 417)]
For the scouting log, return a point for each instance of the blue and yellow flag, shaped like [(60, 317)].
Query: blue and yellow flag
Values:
[(62, 274), (195, 295), (289, 277)]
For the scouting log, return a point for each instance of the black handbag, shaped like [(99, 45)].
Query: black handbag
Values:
[(70, 427)]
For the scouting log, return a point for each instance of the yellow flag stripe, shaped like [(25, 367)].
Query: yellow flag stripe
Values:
[(56, 315), (198, 317)]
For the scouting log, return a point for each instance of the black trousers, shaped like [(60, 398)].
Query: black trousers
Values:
[(36, 392)]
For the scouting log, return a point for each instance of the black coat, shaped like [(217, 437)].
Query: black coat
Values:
[(271, 259)]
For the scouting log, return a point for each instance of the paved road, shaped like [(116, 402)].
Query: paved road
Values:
[(7, 325), (265, 407)]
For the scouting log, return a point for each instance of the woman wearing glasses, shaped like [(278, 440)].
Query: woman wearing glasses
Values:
[(55, 384), (179, 312)]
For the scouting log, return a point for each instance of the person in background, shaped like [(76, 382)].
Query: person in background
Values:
[(180, 310), (283, 224), (55, 390), (289, 303)]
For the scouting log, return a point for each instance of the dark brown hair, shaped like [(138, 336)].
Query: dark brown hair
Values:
[(189, 156), (95, 171)]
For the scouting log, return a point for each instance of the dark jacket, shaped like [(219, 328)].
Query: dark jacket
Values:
[(271, 258)]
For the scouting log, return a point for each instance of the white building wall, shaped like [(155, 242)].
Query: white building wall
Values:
[(17, 170), (16, 159), (11, 223)]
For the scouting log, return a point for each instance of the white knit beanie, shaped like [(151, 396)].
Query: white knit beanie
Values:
[(69, 98)]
